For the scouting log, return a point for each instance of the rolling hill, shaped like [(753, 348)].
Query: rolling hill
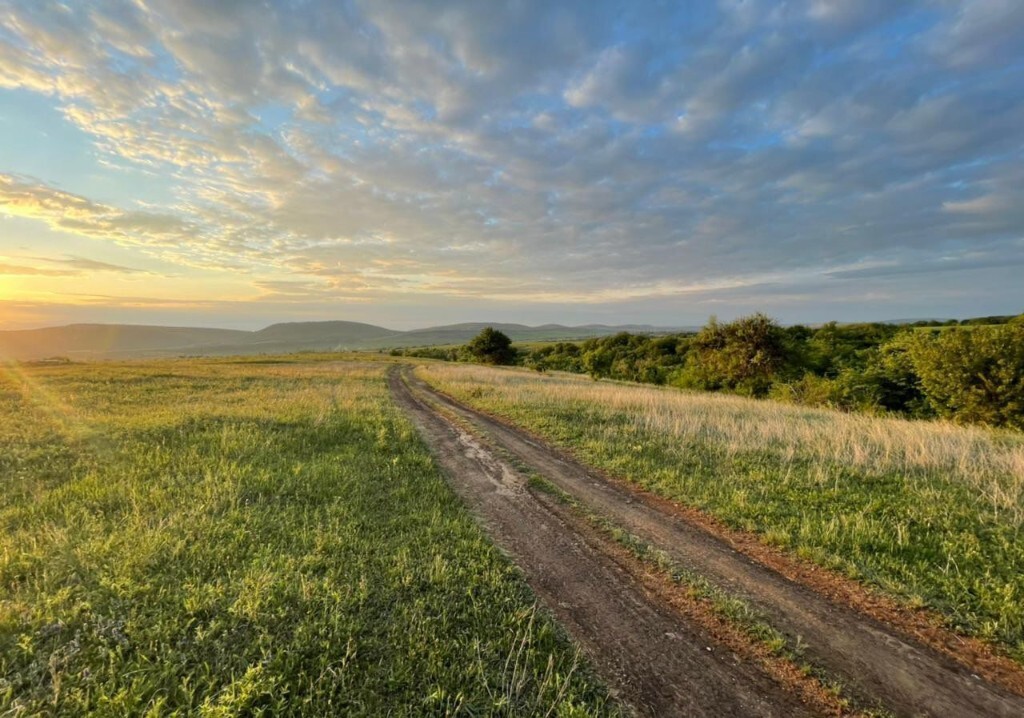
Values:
[(110, 341), (92, 340)]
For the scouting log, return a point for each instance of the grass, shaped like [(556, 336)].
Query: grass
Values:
[(928, 512), (224, 537)]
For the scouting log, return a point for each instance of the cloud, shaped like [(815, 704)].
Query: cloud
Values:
[(24, 270), (67, 267), (979, 32), (21, 197), (83, 265), (979, 205), (941, 264), (535, 151)]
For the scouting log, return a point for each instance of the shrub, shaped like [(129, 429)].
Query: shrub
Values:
[(491, 347), (973, 375), (745, 356)]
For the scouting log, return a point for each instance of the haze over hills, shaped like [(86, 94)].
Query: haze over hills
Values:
[(98, 341), (108, 339)]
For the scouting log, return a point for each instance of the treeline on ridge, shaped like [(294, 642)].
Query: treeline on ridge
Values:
[(970, 371)]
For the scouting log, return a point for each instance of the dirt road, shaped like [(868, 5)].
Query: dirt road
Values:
[(655, 660), (876, 662)]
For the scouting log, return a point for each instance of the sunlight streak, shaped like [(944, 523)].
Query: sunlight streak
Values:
[(65, 419)]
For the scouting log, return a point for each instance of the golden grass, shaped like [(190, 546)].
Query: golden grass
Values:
[(990, 462)]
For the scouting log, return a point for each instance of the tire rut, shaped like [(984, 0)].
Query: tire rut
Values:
[(656, 661), (876, 663)]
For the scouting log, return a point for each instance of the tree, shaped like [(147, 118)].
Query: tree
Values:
[(973, 375), (491, 347), (833, 347), (886, 382), (746, 355)]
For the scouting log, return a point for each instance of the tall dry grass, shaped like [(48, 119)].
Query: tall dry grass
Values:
[(990, 462)]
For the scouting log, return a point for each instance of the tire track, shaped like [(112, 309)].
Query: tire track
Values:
[(652, 657), (877, 663)]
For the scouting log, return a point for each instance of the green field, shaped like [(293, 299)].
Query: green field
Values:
[(928, 512), (260, 537)]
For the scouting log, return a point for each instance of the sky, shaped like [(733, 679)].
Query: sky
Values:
[(238, 163)]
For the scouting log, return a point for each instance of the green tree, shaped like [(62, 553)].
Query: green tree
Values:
[(834, 347), (973, 375), (491, 347), (745, 355), (887, 382)]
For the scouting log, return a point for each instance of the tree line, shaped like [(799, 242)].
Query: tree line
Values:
[(970, 371)]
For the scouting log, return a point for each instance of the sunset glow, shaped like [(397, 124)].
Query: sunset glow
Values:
[(235, 164)]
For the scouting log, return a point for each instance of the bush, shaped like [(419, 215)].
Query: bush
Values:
[(745, 356), (491, 347), (973, 375), (809, 390)]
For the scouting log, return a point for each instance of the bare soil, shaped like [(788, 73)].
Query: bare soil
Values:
[(880, 662), (654, 659)]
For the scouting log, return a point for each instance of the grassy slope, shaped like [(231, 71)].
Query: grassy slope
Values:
[(928, 512), (230, 538)]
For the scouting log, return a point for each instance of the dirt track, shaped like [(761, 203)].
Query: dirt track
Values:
[(660, 663), (655, 660)]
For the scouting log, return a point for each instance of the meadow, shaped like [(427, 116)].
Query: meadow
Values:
[(259, 537), (928, 512)]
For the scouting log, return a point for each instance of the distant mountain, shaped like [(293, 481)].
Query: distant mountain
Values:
[(606, 329), (91, 340), (300, 336), (461, 333), (339, 332), (911, 321), (97, 341)]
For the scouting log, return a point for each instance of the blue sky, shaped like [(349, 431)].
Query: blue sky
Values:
[(239, 163)]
